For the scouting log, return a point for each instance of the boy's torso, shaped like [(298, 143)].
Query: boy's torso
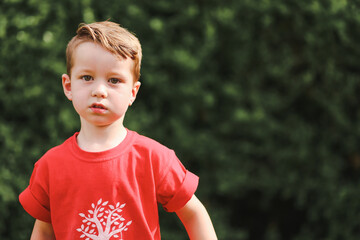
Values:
[(108, 195), (103, 198)]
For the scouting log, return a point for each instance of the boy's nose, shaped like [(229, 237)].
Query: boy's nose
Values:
[(99, 91)]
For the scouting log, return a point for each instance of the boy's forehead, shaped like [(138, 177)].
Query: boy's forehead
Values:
[(87, 46), (89, 55)]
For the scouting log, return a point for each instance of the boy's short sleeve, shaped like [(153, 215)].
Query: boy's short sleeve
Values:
[(176, 185), (35, 198)]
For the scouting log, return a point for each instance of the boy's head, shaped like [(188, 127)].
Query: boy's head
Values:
[(112, 37)]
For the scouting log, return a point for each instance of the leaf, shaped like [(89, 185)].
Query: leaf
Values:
[(82, 236), (116, 236), (100, 200), (92, 230), (93, 205), (88, 223), (122, 224), (82, 215), (82, 226), (102, 209), (79, 230), (123, 205), (118, 204), (116, 223), (122, 219), (100, 215), (128, 223), (84, 221), (93, 225), (91, 211), (111, 207), (87, 229), (104, 203), (125, 229), (103, 223)]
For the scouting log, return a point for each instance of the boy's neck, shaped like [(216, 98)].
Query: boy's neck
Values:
[(96, 139)]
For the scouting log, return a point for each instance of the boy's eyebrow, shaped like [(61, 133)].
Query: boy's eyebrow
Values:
[(118, 73), (85, 69)]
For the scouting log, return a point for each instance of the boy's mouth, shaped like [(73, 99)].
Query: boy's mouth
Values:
[(98, 105)]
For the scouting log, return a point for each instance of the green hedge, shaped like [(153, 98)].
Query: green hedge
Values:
[(257, 97)]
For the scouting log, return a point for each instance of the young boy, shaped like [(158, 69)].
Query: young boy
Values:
[(105, 181)]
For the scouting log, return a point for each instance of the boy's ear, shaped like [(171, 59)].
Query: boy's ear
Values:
[(134, 92), (66, 83)]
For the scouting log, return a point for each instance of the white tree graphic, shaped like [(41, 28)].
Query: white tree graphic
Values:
[(103, 222)]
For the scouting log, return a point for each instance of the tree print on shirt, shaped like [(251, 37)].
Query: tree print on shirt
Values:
[(103, 221)]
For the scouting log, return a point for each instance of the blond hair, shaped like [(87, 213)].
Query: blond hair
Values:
[(112, 37)]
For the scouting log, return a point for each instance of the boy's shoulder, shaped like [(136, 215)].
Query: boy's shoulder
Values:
[(144, 142), (134, 142), (59, 151)]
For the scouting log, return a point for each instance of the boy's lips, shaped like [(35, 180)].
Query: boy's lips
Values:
[(98, 108), (98, 105)]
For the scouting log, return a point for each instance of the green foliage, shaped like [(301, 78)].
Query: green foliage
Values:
[(257, 97)]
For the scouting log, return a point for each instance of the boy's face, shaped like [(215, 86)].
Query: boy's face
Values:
[(101, 85)]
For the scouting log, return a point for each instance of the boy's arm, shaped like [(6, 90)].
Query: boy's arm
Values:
[(196, 220), (42, 231)]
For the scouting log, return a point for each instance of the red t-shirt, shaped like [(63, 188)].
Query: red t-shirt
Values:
[(107, 195)]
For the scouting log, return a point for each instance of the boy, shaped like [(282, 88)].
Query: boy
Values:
[(105, 181)]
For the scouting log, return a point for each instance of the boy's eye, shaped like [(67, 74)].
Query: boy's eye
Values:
[(114, 80), (86, 78)]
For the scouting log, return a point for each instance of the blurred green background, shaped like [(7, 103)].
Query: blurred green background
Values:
[(259, 98)]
